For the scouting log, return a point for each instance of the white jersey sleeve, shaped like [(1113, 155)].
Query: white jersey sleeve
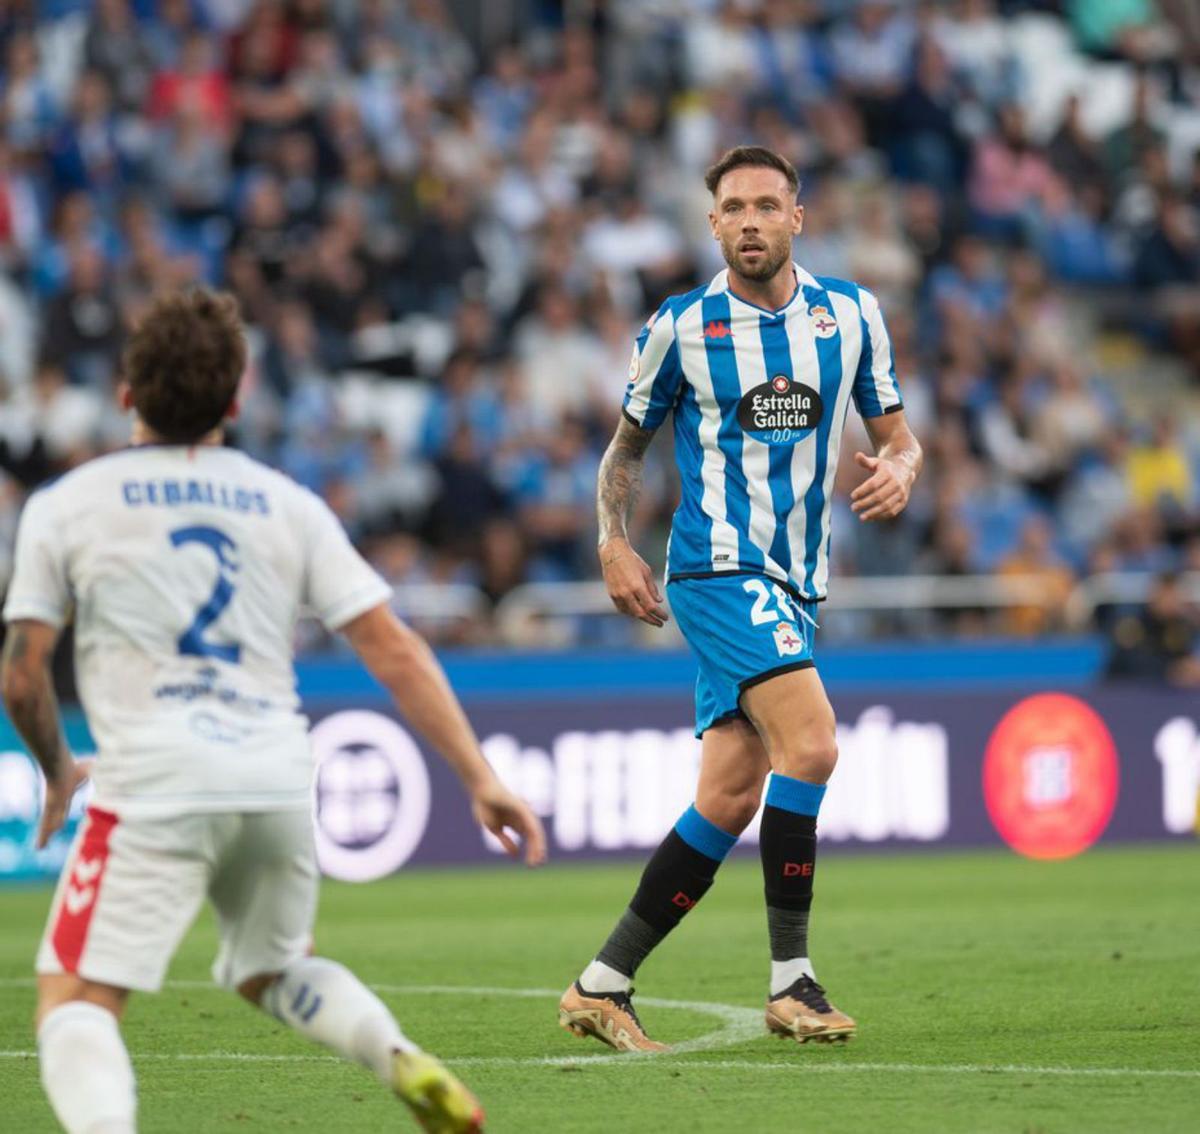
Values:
[(339, 583), (876, 390), (39, 588), (655, 373)]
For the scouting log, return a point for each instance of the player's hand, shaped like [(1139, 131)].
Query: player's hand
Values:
[(500, 811), (884, 493), (58, 800), (631, 583)]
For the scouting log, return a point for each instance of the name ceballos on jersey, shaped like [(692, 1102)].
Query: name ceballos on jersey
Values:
[(170, 493), (759, 400)]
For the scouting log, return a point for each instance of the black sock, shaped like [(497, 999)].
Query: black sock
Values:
[(675, 879), (788, 843)]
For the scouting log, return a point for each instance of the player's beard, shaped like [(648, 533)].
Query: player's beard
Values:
[(777, 254)]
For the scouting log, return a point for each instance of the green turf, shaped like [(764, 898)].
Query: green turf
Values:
[(969, 963)]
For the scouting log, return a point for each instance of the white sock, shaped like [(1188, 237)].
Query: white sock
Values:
[(327, 1003), (599, 977), (785, 973), (86, 1070)]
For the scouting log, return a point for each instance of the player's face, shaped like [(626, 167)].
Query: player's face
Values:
[(755, 219)]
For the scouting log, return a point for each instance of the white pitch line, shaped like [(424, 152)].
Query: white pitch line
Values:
[(739, 1025), (796, 1066)]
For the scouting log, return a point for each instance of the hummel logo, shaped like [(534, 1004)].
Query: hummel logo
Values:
[(717, 330), (77, 899), (87, 869)]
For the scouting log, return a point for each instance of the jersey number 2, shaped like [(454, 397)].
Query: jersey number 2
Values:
[(192, 640)]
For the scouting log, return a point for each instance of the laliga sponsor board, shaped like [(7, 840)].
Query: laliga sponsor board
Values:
[(1048, 774)]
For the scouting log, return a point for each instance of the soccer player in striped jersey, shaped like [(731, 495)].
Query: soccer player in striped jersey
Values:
[(758, 369)]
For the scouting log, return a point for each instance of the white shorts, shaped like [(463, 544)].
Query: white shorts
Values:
[(131, 888)]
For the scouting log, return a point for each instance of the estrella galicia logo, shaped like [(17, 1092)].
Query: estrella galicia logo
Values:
[(780, 411), (371, 800)]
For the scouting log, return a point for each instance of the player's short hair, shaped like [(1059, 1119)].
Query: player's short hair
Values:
[(184, 361), (754, 156)]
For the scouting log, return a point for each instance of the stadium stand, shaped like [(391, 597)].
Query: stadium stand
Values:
[(444, 239)]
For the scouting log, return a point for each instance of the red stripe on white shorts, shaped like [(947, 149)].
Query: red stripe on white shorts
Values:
[(82, 889)]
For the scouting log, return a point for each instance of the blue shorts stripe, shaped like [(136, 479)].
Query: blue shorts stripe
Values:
[(798, 796), (703, 836)]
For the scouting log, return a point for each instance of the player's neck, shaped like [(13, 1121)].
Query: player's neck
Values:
[(142, 434), (771, 294)]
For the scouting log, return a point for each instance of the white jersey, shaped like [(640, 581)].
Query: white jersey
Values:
[(187, 568)]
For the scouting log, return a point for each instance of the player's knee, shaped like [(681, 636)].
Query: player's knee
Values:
[(732, 811), (62, 988), (811, 756), (253, 988)]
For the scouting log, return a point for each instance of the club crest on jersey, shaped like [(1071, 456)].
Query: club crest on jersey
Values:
[(824, 325), (787, 641)]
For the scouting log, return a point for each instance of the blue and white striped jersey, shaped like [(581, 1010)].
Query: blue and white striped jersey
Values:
[(760, 401)]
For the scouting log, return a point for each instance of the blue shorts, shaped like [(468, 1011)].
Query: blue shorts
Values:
[(743, 629)]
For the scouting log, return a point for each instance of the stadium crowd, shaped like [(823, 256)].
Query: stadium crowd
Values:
[(444, 248)]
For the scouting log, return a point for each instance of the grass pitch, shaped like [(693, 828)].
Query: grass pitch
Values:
[(993, 994)]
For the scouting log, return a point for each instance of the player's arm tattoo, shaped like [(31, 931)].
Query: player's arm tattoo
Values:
[(28, 688), (620, 479)]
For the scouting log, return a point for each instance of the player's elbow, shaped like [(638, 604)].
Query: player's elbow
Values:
[(391, 651), (19, 689), (398, 661)]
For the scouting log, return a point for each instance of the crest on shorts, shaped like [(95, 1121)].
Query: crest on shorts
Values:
[(824, 325), (787, 641)]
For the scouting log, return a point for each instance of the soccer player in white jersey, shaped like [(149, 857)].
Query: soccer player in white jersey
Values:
[(185, 565), (758, 368)]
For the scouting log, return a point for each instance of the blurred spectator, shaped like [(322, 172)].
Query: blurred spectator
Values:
[(47, 426), (1125, 146), (468, 496), (1122, 29), (191, 83), (83, 329), (1159, 644), (978, 44), (1008, 176), (17, 330), (555, 496), (928, 147), (90, 151), (116, 47), (1160, 474), (559, 356), (445, 257), (871, 52), (28, 109), (1035, 561)]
